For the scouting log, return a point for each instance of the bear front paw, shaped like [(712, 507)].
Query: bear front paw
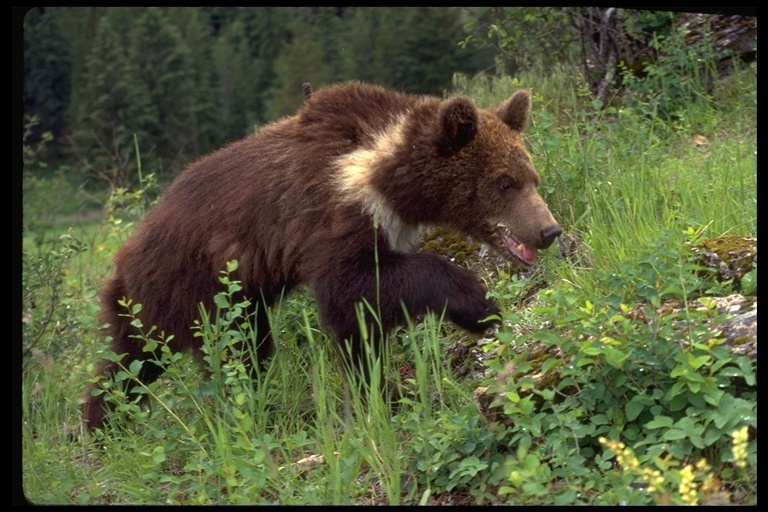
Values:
[(475, 315)]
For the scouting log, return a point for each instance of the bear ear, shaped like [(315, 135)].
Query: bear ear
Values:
[(458, 120), (516, 110)]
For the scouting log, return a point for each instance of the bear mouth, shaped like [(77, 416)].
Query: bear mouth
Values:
[(526, 255)]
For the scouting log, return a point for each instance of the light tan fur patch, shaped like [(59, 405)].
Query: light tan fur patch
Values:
[(353, 181)]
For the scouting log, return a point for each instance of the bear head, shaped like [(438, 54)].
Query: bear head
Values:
[(447, 163), (501, 205)]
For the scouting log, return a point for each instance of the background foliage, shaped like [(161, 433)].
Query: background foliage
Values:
[(187, 80)]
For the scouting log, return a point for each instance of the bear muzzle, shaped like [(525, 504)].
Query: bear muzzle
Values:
[(549, 234), (523, 253)]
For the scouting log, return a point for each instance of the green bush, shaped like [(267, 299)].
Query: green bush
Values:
[(652, 373)]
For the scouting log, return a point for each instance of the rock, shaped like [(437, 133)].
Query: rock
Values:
[(731, 256)]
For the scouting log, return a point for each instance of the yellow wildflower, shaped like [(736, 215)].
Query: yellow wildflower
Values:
[(653, 478), (688, 486), (740, 440)]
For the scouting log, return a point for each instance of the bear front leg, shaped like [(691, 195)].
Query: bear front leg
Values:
[(417, 282), (427, 282)]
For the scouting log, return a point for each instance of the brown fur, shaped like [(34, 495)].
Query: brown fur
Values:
[(296, 204)]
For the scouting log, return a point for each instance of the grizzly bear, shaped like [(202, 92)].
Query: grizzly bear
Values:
[(335, 196)]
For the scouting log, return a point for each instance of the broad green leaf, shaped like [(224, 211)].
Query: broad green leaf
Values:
[(633, 409), (135, 367), (674, 434), (660, 422)]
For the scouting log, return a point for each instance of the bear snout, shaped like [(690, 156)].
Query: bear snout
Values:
[(549, 234)]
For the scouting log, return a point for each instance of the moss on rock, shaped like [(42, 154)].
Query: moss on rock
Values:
[(731, 256)]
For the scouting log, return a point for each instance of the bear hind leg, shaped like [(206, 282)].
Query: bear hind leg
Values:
[(263, 341), (95, 407)]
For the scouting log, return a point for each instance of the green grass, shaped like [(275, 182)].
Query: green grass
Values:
[(593, 359)]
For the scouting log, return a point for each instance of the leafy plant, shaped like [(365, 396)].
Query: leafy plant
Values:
[(682, 73), (655, 374), (448, 450), (45, 300)]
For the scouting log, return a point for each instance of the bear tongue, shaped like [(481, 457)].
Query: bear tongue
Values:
[(527, 254)]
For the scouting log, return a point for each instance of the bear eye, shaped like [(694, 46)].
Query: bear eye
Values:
[(507, 184)]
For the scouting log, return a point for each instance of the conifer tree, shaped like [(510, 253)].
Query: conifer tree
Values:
[(299, 61), (163, 64), (430, 54), (47, 72), (204, 116), (372, 41), (116, 105), (236, 94), (266, 30)]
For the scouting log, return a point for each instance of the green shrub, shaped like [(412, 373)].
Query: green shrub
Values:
[(636, 364)]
